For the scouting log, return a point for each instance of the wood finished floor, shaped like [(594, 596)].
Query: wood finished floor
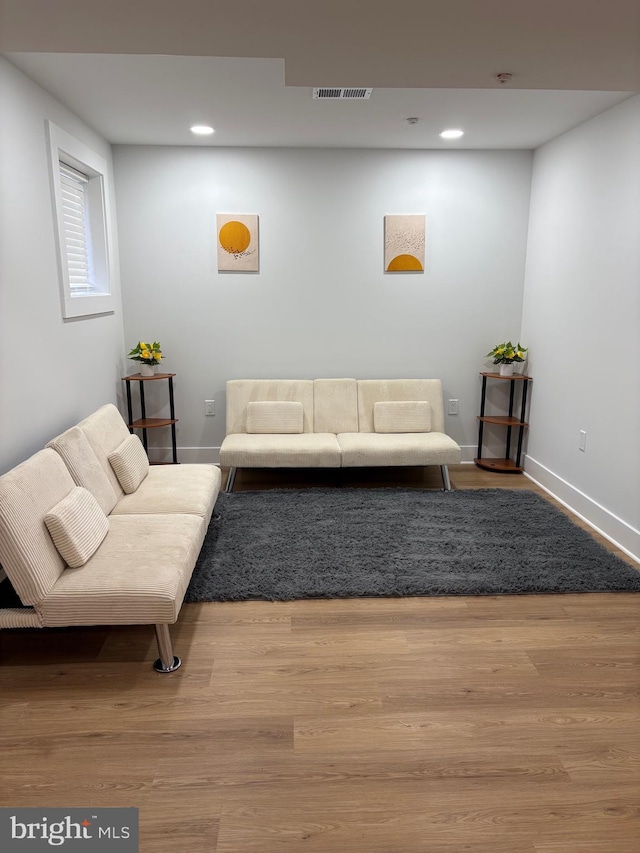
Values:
[(490, 724)]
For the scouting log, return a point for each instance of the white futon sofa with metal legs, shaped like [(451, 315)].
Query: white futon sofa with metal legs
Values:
[(336, 423), (91, 535)]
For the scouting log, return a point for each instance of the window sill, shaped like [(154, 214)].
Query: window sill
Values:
[(87, 304)]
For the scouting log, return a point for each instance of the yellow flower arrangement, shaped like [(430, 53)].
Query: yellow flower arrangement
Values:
[(507, 353), (146, 353)]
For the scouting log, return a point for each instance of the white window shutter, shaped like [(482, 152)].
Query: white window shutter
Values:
[(81, 205), (77, 235)]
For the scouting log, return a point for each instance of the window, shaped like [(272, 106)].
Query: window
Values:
[(80, 195), (77, 233)]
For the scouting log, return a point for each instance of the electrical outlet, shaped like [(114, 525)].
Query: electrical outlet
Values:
[(209, 407), (453, 407), (582, 441)]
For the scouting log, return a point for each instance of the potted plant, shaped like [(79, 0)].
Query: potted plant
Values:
[(148, 355), (505, 354)]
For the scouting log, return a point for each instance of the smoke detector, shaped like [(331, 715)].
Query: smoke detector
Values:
[(341, 94), (503, 77)]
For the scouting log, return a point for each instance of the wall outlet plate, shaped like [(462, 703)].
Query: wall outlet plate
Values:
[(209, 407)]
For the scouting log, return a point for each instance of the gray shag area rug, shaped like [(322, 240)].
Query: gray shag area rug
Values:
[(286, 544)]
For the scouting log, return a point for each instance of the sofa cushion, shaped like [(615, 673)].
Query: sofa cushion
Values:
[(360, 450), (370, 391), (84, 466), (402, 416), (335, 405), (274, 416), (106, 430), (307, 450), (27, 552), (139, 575), (77, 526), (240, 392), (130, 462), (190, 488)]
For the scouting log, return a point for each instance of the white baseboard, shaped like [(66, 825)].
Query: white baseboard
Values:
[(469, 452), (600, 519)]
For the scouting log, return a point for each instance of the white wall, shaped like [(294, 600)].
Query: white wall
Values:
[(582, 320), (52, 371), (321, 304)]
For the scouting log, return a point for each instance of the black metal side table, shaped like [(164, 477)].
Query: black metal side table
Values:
[(143, 422), (506, 465)]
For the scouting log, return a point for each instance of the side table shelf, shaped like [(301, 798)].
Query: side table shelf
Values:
[(144, 423), (507, 465)]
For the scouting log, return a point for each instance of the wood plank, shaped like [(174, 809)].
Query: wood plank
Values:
[(602, 763), (611, 663), (611, 840), (172, 822), (421, 730), (521, 691), (325, 818), (81, 786), (388, 769), (576, 633)]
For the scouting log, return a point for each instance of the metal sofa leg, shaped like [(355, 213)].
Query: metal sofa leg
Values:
[(231, 478), (446, 482), (167, 662)]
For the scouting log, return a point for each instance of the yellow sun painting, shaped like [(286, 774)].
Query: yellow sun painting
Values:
[(404, 238), (237, 242)]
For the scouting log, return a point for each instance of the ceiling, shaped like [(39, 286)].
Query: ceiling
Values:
[(143, 71)]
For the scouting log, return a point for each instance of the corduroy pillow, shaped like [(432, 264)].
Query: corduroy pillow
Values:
[(274, 416), (402, 416), (130, 462), (77, 526)]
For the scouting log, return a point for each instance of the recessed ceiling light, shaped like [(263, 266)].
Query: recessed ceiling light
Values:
[(202, 129), (452, 134)]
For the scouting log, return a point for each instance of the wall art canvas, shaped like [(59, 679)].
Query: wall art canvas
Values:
[(404, 238), (238, 242)]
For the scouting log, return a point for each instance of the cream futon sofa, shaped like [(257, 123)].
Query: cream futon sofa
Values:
[(126, 543), (333, 423)]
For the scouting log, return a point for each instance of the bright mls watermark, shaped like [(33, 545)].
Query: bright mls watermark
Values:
[(79, 830)]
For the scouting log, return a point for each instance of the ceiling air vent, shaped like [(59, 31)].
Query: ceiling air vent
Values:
[(342, 94)]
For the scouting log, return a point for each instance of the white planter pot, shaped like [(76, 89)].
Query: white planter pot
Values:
[(506, 370), (147, 370)]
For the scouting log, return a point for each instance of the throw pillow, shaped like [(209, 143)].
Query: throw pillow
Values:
[(274, 416), (130, 462), (77, 526), (402, 416)]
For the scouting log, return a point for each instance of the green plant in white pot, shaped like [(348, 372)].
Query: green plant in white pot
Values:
[(505, 354)]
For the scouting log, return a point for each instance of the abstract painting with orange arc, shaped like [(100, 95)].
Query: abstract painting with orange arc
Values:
[(404, 239)]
